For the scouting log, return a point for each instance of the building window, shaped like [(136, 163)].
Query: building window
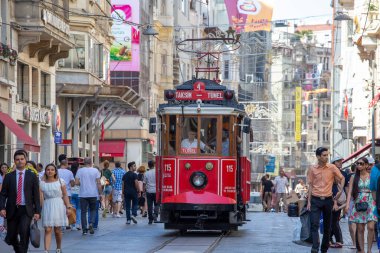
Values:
[(325, 134), (226, 72), (4, 19), (45, 89), (77, 55), (22, 82), (326, 111), (163, 8), (183, 6), (164, 64)]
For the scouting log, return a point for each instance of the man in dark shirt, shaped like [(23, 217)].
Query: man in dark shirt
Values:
[(335, 227), (267, 193), (130, 186)]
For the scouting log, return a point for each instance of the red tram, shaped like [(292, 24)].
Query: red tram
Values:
[(203, 167)]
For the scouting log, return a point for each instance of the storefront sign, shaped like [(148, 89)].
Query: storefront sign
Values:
[(50, 18), (35, 114)]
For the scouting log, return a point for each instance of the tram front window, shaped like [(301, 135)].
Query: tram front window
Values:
[(191, 143)]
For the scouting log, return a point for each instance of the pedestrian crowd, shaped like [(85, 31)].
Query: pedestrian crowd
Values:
[(70, 197), (330, 194)]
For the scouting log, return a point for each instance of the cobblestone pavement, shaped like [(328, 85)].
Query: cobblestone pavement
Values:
[(266, 232)]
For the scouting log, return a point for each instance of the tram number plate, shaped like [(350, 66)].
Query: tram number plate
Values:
[(188, 150)]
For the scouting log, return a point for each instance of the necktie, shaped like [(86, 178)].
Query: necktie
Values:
[(19, 189)]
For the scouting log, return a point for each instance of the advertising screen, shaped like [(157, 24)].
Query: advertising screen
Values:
[(125, 52)]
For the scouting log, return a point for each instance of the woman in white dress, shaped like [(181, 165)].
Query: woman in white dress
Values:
[(55, 202)]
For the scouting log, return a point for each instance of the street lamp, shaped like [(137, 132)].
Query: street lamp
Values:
[(340, 16), (150, 31), (231, 37)]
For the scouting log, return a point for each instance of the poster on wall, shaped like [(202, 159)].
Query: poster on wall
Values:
[(249, 15), (125, 51)]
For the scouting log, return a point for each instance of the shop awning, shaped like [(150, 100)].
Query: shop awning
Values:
[(357, 153), (111, 148), (29, 143)]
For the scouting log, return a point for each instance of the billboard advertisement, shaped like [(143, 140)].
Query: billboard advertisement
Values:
[(249, 15), (125, 51)]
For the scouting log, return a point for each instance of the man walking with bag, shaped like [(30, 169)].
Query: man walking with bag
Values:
[(20, 203), (321, 178)]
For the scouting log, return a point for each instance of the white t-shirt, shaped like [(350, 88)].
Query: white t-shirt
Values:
[(281, 183), (87, 177), (187, 144), (68, 176)]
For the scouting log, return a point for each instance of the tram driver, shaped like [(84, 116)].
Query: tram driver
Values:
[(190, 144)]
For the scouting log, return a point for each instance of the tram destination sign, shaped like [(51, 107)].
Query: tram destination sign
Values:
[(199, 92)]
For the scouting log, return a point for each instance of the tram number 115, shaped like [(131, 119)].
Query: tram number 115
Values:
[(168, 167), (230, 168)]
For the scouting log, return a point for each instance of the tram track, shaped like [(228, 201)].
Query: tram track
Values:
[(191, 239)]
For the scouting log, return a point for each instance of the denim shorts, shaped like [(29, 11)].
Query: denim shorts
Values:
[(107, 190)]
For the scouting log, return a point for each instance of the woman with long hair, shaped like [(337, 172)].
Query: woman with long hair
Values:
[(55, 204), (142, 199), (363, 208)]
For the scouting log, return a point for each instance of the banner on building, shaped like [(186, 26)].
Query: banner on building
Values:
[(125, 52), (298, 112), (249, 15), (271, 164)]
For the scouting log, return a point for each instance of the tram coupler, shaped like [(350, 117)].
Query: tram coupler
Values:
[(200, 221)]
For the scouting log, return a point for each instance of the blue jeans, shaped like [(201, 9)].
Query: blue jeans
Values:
[(96, 223), (75, 202), (85, 204), (128, 198)]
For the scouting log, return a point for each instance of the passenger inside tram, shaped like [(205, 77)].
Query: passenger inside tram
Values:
[(190, 144)]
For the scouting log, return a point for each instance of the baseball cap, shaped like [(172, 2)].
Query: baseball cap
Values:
[(62, 157), (336, 158), (370, 159)]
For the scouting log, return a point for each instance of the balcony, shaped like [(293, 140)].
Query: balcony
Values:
[(347, 2), (44, 28)]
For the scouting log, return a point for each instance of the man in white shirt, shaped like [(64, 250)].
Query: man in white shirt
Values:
[(66, 174), (190, 145), (88, 179), (281, 185)]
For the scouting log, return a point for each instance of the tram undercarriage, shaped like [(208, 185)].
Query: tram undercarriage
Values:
[(201, 217)]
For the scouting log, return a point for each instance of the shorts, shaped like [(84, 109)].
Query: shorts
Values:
[(107, 190), (116, 196)]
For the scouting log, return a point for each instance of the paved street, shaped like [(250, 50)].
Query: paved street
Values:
[(267, 232)]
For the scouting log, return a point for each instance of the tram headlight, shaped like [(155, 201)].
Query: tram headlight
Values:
[(198, 180)]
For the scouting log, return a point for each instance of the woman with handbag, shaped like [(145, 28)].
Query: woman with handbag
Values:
[(362, 212), (55, 206)]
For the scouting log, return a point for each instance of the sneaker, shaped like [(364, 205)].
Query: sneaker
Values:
[(91, 228), (128, 222), (114, 215), (84, 232), (134, 219), (121, 212), (79, 228), (145, 214), (58, 251), (150, 222), (118, 216)]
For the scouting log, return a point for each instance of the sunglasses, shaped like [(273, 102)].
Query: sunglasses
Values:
[(360, 163)]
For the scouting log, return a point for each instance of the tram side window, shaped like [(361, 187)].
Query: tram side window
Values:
[(208, 136), (189, 143), (226, 144), (172, 134)]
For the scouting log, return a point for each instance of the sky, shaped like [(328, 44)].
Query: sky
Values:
[(289, 9)]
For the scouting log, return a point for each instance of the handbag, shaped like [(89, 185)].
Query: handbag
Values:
[(361, 206), (342, 199), (72, 215), (35, 235)]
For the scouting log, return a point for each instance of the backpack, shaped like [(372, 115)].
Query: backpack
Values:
[(378, 192)]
